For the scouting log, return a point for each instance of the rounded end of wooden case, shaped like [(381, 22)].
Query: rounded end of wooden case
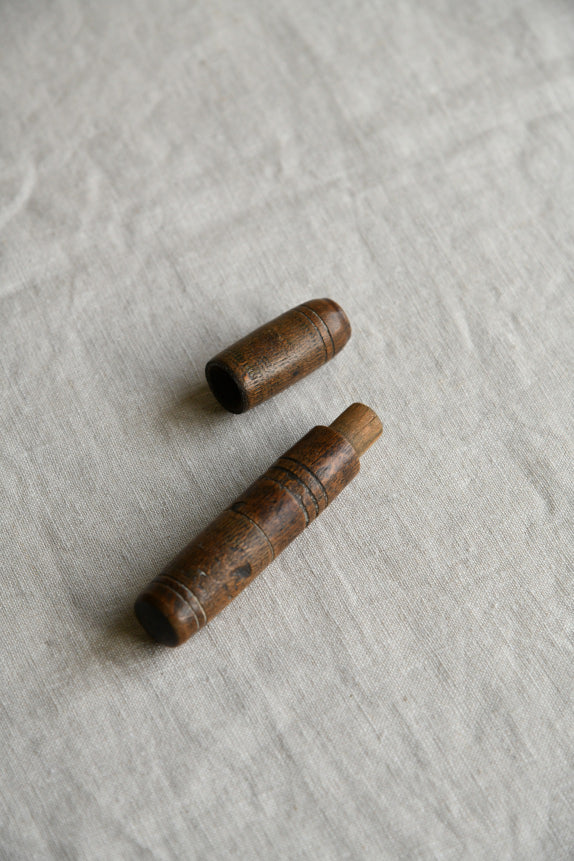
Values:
[(334, 318), (154, 620), (360, 425)]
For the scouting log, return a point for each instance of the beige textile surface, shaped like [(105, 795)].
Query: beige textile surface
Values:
[(399, 684)]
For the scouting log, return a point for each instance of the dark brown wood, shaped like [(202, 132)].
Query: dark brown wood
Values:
[(248, 535), (278, 354)]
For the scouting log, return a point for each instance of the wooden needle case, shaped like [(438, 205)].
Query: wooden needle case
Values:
[(248, 535)]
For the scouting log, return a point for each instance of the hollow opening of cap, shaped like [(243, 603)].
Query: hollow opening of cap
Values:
[(155, 623), (225, 388)]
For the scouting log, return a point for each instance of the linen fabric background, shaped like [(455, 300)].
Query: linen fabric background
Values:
[(399, 684)]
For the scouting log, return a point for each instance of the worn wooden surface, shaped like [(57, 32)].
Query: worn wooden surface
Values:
[(248, 535), (278, 354), (360, 425)]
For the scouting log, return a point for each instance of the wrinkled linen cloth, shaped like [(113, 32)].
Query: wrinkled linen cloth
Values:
[(399, 683)]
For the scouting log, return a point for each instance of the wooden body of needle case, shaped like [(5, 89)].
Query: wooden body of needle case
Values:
[(248, 535)]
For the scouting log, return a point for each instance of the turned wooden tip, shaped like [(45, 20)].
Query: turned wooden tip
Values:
[(360, 426)]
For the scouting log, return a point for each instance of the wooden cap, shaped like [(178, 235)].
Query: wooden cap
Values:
[(277, 354)]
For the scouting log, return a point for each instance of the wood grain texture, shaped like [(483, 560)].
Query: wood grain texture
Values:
[(278, 354), (360, 425), (248, 535)]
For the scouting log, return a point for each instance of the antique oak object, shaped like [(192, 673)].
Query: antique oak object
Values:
[(277, 354), (248, 535)]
